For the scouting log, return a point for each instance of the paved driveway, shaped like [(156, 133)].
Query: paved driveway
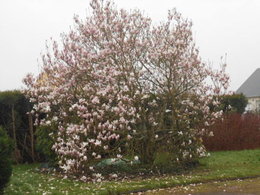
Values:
[(236, 187)]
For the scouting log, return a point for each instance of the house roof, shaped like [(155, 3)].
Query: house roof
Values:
[(251, 87)]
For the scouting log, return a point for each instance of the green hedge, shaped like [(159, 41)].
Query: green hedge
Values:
[(6, 148), (14, 119)]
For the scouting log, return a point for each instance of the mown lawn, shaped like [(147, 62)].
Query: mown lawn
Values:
[(219, 166)]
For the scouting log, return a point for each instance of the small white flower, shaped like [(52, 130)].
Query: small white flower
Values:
[(155, 124), (55, 118), (48, 122), (145, 96), (97, 143), (136, 158), (83, 178), (180, 133)]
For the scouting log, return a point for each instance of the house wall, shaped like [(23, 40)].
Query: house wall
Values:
[(253, 104)]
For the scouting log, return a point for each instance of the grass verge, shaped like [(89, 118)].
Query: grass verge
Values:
[(219, 166)]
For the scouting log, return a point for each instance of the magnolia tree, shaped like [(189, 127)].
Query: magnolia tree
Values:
[(119, 85)]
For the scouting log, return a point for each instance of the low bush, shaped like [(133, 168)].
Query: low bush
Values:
[(235, 132), (5, 159)]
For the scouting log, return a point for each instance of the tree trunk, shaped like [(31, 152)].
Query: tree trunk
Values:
[(13, 125), (32, 136), (16, 151)]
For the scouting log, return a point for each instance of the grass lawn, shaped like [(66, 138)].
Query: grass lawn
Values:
[(219, 166)]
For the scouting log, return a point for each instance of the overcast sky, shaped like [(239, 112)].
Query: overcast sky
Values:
[(221, 27)]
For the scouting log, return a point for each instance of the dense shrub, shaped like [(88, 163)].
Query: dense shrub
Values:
[(15, 120), (5, 159), (235, 132), (234, 103), (44, 143)]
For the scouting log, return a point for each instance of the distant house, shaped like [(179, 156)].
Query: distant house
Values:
[(251, 89)]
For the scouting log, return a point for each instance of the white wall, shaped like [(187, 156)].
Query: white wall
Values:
[(253, 104)]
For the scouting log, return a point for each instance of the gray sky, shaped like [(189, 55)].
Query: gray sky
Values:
[(221, 27)]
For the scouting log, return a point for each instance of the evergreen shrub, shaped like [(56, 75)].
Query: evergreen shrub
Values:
[(6, 148)]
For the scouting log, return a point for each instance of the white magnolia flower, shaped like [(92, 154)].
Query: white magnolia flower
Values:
[(83, 178), (145, 96), (155, 124), (180, 133), (114, 176)]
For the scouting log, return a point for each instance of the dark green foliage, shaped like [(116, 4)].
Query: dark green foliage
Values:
[(5, 159), (237, 102), (14, 105), (44, 145)]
